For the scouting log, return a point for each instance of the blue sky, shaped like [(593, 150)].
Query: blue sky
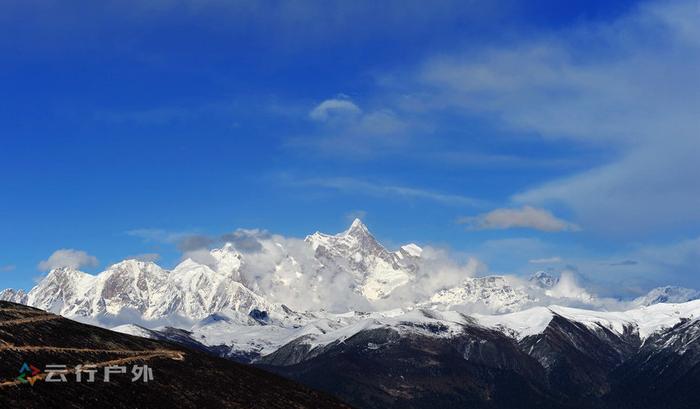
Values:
[(527, 134)]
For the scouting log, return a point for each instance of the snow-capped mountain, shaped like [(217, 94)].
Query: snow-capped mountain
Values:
[(667, 294), (17, 296), (141, 291), (375, 271), (321, 268)]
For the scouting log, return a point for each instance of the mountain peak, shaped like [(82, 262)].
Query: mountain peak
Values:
[(544, 279), (357, 228), (187, 264)]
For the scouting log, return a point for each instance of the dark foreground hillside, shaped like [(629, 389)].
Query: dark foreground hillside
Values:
[(182, 378)]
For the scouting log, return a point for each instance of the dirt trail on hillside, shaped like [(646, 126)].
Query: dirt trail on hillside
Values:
[(137, 355), (32, 348), (23, 311), (28, 320)]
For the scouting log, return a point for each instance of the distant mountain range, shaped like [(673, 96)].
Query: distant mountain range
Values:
[(382, 328), (342, 272)]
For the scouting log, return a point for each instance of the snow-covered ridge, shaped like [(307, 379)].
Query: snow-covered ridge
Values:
[(143, 291), (316, 330), (646, 320)]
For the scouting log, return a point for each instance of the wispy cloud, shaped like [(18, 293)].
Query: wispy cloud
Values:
[(388, 190), (148, 257), (340, 107), (547, 260), (158, 235), (526, 217), (623, 263), (628, 92), (7, 268)]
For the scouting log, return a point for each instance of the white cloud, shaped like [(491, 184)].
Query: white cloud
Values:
[(68, 258), (569, 288), (525, 217), (547, 260), (334, 108)]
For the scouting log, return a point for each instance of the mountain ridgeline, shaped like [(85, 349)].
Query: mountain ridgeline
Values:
[(342, 314)]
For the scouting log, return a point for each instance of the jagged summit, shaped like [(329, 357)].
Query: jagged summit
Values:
[(356, 235)]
